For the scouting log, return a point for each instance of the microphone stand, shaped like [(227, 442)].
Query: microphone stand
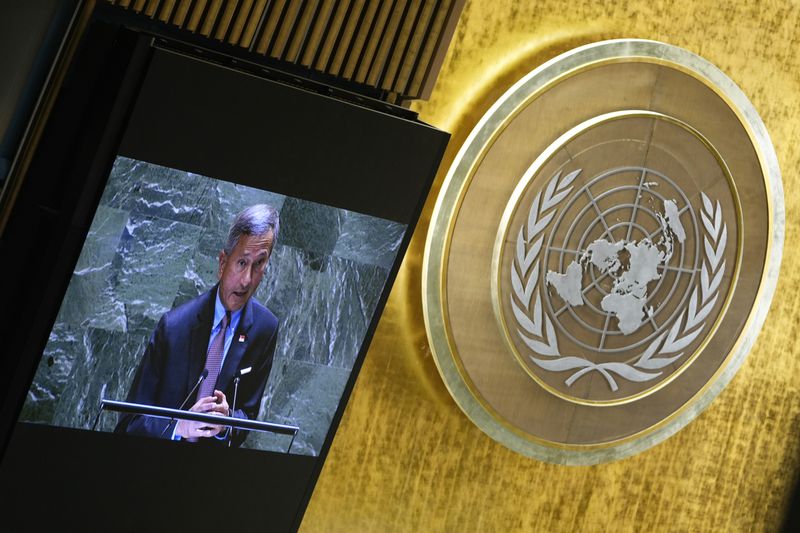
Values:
[(97, 418), (241, 372), (233, 407), (202, 377)]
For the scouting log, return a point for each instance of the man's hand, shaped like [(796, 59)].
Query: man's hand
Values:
[(213, 405), (221, 407)]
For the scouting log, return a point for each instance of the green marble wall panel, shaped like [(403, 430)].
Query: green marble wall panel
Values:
[(370, 240), (151, 263), (310, 226), (105, 362), (89, 299), (159, 192), (324, 303), (154, 244), (52, 374), (298, 391)]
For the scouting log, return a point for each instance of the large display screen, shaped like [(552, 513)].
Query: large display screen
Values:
[(128, 284), (154, 245)]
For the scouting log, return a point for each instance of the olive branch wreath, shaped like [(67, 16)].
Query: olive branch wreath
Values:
[(527, 306)]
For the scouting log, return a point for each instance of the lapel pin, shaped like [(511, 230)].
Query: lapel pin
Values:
[(241, 338)]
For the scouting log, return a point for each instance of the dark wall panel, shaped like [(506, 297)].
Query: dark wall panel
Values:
[(286, 140)]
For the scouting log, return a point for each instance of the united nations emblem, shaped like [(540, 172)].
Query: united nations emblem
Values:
[(614, 271), (587, 290)]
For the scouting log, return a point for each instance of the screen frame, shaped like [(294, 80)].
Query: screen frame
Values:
[(68, 171)]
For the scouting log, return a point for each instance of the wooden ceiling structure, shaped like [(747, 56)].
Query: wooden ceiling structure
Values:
[(391, 50)]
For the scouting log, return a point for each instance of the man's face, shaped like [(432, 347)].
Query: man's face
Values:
[(242, 270)]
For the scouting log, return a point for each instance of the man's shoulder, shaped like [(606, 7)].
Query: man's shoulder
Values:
[(262, 315), (188, 311)]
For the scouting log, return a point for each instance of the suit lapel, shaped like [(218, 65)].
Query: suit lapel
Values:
[(198, 340), (237, 349)]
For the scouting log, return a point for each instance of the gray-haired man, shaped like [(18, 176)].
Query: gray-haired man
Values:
[(221, 331)]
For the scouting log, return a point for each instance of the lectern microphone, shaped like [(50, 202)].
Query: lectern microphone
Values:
[(203, 376), (239, 373)]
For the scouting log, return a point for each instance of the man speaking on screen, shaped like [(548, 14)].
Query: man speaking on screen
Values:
[(218, 335)]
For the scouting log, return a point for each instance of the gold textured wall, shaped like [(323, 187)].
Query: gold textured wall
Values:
[(406, 459)]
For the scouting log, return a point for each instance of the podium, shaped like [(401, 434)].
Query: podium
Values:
[(243, 424)]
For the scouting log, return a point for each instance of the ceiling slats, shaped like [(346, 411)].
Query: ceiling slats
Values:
[(395, 46)]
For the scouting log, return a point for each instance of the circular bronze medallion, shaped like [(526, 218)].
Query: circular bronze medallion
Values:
[(603, 252)]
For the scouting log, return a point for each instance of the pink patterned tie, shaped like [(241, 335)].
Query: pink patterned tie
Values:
[(214, 359)]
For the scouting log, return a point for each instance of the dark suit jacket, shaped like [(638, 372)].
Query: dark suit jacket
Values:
[(176, 354)]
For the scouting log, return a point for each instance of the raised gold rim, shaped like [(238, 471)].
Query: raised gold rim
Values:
[(510, 211), (457, 179)]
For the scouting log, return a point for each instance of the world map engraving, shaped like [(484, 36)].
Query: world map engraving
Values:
[(631, 265), (626, 269)]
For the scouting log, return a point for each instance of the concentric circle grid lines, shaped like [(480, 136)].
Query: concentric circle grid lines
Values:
[(567, 251)]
